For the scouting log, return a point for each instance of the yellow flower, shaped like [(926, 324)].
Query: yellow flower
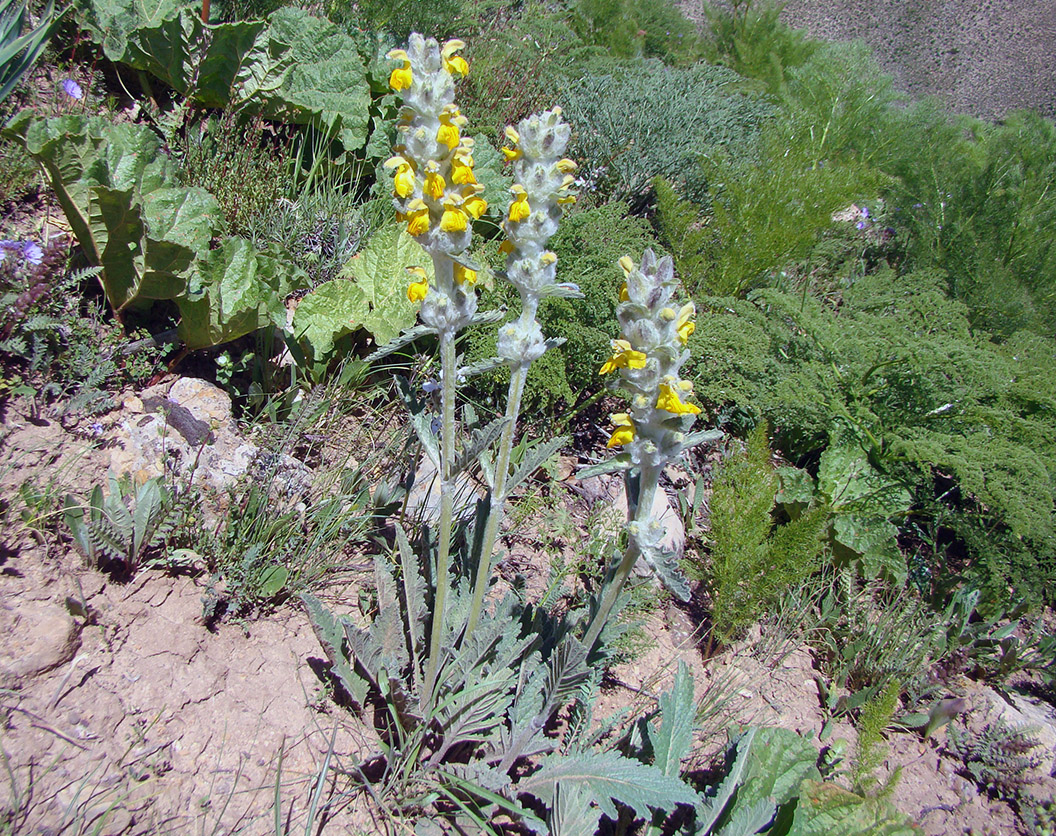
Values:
[(566, 200), (418, 290), (669, 401), (624, 295), (627, 263), (685, 325), (472, 202), (566, 166), (454, 64), (514, 153), (450, 121), (434, 181), (417, 217), (548, 258), (623, 357), (623, 432), (462, 168), (463, 275), (506, 247), (519, 209), (454, 218), (401, 77), (403, 182)]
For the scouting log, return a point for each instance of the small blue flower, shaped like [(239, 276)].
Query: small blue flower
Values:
[(29, 250), (864, 211), (72, 89), (32, 252), (860, 224), (430, 386)]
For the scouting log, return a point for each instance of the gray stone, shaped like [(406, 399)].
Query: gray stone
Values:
[(423, 500)]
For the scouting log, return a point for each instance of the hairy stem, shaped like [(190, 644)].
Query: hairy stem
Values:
[(443, 558), (611, 594), (498, 496)]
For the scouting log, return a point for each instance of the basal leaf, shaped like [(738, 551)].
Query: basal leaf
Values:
[(609, 777), (235, 291), (673, 737), (828, 810), (331, 636)]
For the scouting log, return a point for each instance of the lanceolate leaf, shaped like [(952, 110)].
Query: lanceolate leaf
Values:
[(664, 564), (331, 636), (609, 777), (674, 736)]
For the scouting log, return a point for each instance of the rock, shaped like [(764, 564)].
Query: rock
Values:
[(423, 500), (38, 637), (185, 428), (615, 517)]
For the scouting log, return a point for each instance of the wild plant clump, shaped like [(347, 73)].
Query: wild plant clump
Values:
[(469, 680)]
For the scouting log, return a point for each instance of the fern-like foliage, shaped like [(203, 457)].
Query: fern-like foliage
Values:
[(997, 758), (752, 562)]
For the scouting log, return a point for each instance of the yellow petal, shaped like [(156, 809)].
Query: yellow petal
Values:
[(511, 154), (623, 432), (418, 291), (519, 209), (624, 295), (669, 401), (548, 258), (463, 275), (434, 185), (401, 78), (403, 183), (506, 247), (448, 135), (453, 219), (566, 166), (627, 263), (475, 205), (512, 134)]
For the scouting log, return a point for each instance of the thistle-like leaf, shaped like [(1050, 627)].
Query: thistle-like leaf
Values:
[(615, 464), (331, 636), (483, 439), (480, 367), (533, 459), (664, 564), (672, 739), (414, 596), (608, 777), (421, 421)]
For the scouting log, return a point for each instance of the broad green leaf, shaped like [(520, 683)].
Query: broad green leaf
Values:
[(371, 293), (110, 22), (873, 540), (608, 776), (796, 490), (235, 291), (850, 482), (327, 84), (272, 580), (828, 810)]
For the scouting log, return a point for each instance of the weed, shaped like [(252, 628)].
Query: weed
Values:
[(997, 758)]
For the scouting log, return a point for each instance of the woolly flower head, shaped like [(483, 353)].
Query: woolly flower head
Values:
[(434, 187), (541, 189), (647, 360)]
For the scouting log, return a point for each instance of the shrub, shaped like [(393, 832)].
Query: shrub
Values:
[(751, 40), (638, 29), (966, 422), (639, 121), (978, 201)]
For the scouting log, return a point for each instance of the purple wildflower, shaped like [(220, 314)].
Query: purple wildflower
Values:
[(29, 250), (860, 224), (864, 211), (72, 89)]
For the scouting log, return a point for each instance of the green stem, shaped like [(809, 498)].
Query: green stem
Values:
[(498, 496), (443, 558), (611, 594)]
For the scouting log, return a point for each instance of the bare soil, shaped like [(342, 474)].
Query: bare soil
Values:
[(122, 713)]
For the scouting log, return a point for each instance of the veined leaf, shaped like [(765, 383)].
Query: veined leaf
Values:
[(829, 810), (609, 777), (371, 293), (237, 290)]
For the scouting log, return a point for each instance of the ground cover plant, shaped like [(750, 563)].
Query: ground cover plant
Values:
[(746, 282)]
